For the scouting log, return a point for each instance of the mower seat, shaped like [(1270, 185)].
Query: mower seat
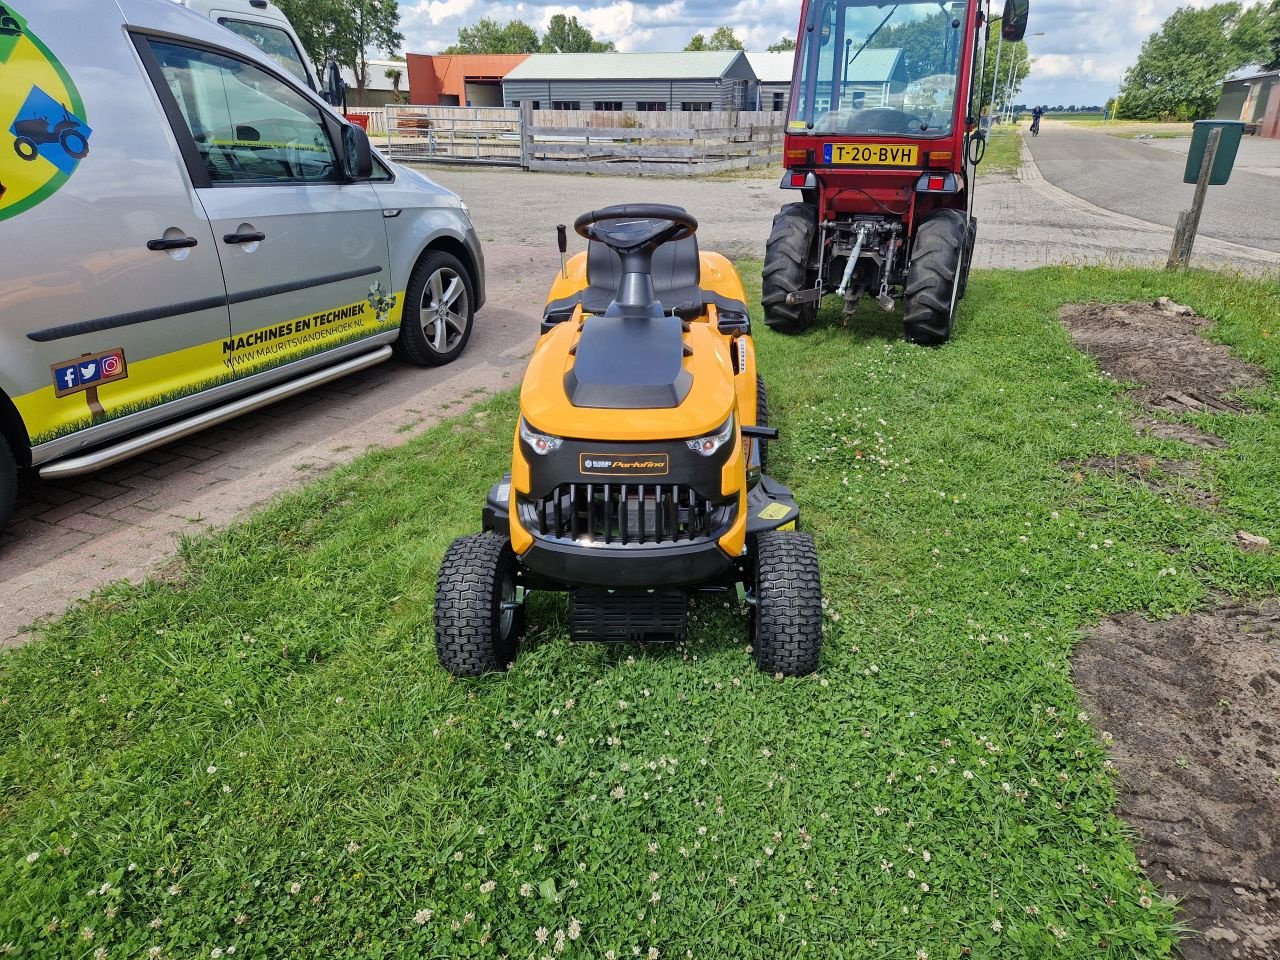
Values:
[(676, 275)]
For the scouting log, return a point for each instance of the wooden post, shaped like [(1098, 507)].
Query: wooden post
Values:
[(526, 138), (1184, 235)]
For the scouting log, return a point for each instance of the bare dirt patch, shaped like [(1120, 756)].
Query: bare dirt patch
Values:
[(1193, 705), (1158, 345)]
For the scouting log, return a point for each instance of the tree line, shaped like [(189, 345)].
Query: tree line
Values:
[(1180, 69)]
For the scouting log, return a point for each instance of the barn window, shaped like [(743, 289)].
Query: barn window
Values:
[(699, 106), (651, 106), (566, 105), (608, 104)]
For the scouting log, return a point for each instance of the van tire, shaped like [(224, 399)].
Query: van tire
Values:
[(8, 482), (429, 338)]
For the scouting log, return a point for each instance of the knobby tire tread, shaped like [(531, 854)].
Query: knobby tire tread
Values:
[(466, 618), (786, 269), (788, 613)]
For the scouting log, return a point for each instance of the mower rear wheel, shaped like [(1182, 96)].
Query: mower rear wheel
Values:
[(786, 269), (787, 624), (478, 622), (934, 277), (762, 420)]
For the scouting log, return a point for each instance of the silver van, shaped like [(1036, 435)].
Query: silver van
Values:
[(188, 232)]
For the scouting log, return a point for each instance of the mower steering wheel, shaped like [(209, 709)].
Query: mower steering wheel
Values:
[(637, 226)]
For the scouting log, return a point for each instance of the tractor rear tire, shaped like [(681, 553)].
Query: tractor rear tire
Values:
[(933, 279), (762, 420), (478, 624), (786, 269), (787, 620)]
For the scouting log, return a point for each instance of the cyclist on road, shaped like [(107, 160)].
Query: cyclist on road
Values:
[(1036, 113)]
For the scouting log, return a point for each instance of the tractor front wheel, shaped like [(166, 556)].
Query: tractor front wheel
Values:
[(786, 269), (934, 278)]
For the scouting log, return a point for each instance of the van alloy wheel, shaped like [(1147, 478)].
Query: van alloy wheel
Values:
[(439, 311), (443, 311)]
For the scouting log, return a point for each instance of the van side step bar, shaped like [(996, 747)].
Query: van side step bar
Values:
[(106, 456)]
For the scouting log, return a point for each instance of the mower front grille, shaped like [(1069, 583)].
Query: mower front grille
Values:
[(628, 616), (627, 514)]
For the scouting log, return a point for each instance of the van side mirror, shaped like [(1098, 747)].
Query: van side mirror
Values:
[(1013, 25), (357, 157), (335, 90)]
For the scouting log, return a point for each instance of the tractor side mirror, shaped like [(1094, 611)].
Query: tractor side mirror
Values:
[(357, 157), (1013, 25), (334, 89)]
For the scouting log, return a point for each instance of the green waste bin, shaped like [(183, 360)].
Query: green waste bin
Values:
[(1227, 146)]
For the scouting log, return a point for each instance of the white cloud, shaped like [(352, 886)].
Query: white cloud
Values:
[(1082, 57)]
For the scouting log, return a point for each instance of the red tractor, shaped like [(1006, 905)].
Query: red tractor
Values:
[(882, 142)]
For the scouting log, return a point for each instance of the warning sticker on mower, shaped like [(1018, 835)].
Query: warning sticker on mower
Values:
[(624, 465)]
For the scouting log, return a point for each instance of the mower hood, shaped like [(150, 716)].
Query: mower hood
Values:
[(621, 379)]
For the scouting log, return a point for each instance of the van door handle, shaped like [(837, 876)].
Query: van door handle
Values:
[(177, 243), (251, 237)]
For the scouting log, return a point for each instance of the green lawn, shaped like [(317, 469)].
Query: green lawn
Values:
[(1004, 151), (257, 749)]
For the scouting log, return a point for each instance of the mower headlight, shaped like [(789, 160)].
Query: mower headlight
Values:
[(713, 441), (539, 443)]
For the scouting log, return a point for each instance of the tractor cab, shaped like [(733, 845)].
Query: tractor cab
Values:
[(881, 139)]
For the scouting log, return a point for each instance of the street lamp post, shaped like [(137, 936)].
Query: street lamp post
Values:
[(1008, 96)]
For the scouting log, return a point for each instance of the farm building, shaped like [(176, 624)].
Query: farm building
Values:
[(1255, 100), (459, 80), (379, 89), (773, 70), (689, 80)]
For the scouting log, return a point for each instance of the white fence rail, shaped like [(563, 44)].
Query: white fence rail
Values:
[(674, 143)]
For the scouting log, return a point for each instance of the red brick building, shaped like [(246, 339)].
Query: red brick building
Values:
[(460, 80)]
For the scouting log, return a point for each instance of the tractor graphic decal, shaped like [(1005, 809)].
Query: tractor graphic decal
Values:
[(43, 114), (40, 131)]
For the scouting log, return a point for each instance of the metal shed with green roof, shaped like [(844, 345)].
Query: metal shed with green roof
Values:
[(688, 80)]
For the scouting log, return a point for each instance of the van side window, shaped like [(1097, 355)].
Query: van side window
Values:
[(248, 126), (272, 41)]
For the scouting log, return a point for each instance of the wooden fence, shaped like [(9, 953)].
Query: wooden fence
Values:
[(571, 141)]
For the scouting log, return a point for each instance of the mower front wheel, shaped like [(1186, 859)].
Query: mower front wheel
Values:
[(478, 621), (935, 276), (787, 623)]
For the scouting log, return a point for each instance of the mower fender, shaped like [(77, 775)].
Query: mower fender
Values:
[(770, 506), (495, 516)]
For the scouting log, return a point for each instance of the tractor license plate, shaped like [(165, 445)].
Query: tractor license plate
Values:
[(871, 154)]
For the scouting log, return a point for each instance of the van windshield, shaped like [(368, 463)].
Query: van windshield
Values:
[(888, 69), (274, 42)]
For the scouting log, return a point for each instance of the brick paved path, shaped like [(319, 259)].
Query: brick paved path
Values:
[(70, 537)]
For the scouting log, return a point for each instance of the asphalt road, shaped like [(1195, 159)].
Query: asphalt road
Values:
[(1139, 180)]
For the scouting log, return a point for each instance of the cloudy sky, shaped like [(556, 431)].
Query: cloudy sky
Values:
[(1081, 58)]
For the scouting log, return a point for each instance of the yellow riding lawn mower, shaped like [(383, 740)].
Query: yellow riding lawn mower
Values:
[(637, 466)]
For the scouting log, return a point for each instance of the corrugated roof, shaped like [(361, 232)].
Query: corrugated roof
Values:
[(772, 67), (875, 66), (685, 65)]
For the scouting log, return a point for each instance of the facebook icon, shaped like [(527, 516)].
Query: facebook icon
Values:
[(67, 378)]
